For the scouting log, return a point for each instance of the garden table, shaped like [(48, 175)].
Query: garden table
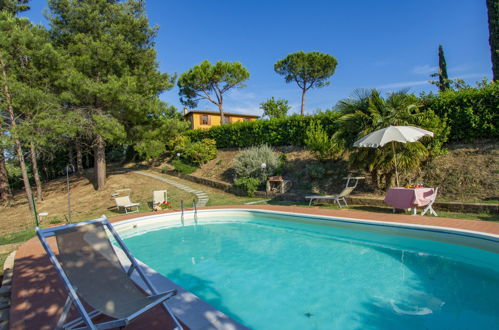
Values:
[(408, 198)]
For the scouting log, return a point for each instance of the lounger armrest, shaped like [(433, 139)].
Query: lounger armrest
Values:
[(155, 300), (131, 205)]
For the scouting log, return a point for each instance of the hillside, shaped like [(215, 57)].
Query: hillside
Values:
[(467, 172)]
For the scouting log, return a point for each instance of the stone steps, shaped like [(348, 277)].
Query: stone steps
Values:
[(202, 197)]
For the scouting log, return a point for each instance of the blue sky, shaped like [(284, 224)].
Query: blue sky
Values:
[(386, 44)]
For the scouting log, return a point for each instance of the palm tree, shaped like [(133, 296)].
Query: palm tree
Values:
[(367, 111)]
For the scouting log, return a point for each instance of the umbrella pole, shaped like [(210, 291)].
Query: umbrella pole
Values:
[(395, 162)]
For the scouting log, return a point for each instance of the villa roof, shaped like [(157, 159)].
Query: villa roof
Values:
[(211, 112)]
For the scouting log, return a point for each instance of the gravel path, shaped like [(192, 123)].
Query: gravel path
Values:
[(201, 195)]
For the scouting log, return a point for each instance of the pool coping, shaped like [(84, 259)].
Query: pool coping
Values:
[(31, 289)]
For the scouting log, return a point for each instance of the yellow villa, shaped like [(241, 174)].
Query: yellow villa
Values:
[(207, 119)]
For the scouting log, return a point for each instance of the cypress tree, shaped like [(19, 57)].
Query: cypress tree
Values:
[(493, 12), (443, 79), (443, 82)]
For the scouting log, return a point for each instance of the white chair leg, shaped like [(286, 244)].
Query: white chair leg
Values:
[(425, 210), (430, 209), (337, 202), (344, 200), (415, 211)]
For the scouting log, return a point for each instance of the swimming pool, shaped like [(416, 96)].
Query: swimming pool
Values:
[(271, 270)]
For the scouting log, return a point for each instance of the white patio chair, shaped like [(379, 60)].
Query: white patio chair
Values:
[(430, 204), (159, 196)]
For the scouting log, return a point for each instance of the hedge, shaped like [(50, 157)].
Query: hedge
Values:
[(275, 132), (471, 112)]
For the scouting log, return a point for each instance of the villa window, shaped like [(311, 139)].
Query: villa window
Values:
[(227, 120), (246, 119), (205, 119)]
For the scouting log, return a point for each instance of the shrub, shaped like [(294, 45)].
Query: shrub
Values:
[(182, 167), (200, 152), (247, 186), (56, 220), (471, 112), (195, 153), (315, 171), (178, 144), (319, 142), (248, 163)]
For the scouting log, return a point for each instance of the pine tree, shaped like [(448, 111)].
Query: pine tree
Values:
[(14, 6), (307, 70), (29, 68), (113, 79)]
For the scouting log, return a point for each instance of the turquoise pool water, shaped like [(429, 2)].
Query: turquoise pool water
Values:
[(269, 273)]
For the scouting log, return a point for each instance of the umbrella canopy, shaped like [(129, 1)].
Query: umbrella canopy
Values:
[(392, 134), (388, 134)]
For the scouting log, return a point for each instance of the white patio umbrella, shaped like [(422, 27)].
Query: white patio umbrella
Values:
[(392, 134)]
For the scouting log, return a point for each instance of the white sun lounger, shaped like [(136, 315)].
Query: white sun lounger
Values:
[(336, 198), (125, 203), (341, 196), (90, 269)]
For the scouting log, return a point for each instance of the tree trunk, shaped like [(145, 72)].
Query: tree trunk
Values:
[(70, 155), (375, 178), (222, 116), (100, 162), (24, 172), (79, 159), (19, 150), (5, 193), (303, 101), (36, 175), (87, 160)]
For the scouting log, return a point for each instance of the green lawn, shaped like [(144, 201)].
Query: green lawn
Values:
[(3, 256), (217, 197), (20, 236)]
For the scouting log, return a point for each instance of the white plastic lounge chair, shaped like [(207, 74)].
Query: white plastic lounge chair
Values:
[(125, 203), (430, 204), (159, 196), (341, 196), (90, 269), (336, 198)]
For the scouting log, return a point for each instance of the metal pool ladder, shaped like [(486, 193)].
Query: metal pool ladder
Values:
[(195, 211)]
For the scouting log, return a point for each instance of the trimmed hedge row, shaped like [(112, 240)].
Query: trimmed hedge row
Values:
[(471, 112), (275, 132)]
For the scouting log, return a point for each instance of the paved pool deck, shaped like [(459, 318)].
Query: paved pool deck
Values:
[(38, 295)]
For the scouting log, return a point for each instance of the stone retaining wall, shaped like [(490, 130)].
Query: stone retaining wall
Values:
[(353, 200)]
